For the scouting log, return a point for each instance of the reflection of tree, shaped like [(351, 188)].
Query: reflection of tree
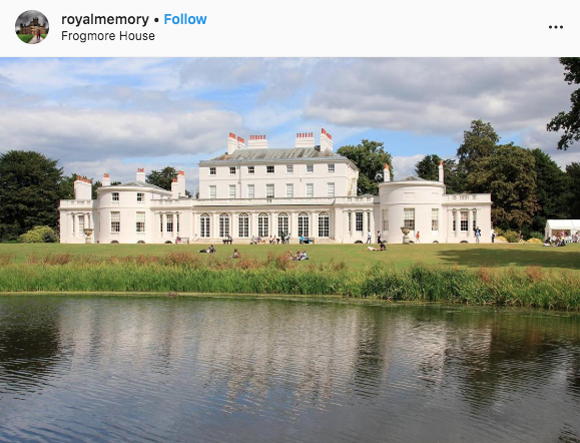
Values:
[(29, 341), (369, 364)]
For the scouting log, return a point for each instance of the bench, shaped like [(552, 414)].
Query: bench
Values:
[(227, 241), (182, 240)]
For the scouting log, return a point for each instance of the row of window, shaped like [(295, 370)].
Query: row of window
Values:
[(140, 196), (409, 220), (264, 228), (140, 222), (271, 169), (271, 191)]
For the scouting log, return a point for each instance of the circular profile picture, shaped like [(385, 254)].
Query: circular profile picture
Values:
[(31, 27)]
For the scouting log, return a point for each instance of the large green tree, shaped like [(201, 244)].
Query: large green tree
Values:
[(569, 121), (163, 178), (478, 143), (30, 191), (370, 158), (552, 190), (428, 169), (509, 174), (573, 176)]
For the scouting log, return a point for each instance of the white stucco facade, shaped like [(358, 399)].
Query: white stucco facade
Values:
[(252, 191)]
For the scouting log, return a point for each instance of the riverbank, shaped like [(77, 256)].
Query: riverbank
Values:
[(188, 272)]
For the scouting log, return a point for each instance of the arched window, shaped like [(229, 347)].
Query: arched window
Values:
[(243, 225), (283, 225), (263, 225), (224, 225), (303, 225), (204, 226), (324, 225)]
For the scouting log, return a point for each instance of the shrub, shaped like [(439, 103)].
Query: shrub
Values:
[(40, 234), (538, 235), (512, 236), (535, 241)]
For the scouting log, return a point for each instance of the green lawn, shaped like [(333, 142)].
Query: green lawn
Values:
[(355, 256), (25, 37)]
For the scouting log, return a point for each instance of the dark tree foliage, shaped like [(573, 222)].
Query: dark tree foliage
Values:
[(509, 174), (370, 158), (428, 169), (30, 193), (164, 178), (479, 142), (570, 121), (553, 191), (573, 175)]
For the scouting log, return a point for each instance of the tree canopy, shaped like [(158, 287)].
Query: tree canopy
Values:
[(370, 158), (569, 121), (479, 142), (573, 175), (509, 175), (164, 178), (30, 192), (428, 169)]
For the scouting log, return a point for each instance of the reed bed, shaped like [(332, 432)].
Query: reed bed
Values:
[(179, 272)]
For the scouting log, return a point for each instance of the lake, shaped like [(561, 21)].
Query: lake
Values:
[(159, 369)]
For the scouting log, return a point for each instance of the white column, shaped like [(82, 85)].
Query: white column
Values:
[(164, 222), (470, 233), (457, 216)]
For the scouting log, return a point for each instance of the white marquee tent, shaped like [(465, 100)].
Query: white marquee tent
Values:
[(557, 226)]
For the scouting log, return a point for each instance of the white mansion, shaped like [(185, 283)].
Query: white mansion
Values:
[(253, 190)]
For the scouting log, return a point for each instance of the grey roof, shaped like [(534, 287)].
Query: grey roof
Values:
[(141, 184), (277, 154), (413, 178)]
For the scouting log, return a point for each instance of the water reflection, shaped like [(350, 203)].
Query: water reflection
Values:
[(157, 369)]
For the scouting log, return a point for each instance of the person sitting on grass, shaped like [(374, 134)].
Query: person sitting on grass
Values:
[(236, 253), (382, 246), (211, 250), (304, 256)]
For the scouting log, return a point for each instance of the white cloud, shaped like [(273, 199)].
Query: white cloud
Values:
[(404, 166)]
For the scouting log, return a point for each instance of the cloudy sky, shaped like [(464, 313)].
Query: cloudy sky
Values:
[(115, 115), (26, 18)]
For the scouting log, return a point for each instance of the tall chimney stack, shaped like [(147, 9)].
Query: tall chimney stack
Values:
[(106, 179), (325, 141), (387, 173), (257, 142), (441, 173), (181, 181), (141, 175), (232, 143), (305, 140)]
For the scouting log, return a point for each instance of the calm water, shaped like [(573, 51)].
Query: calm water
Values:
[(243, 370)]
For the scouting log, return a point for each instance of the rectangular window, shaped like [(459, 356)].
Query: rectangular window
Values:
[(289, 169), (269, 191), (177, 223), (251, 169), (160, 222), (140, 197), (140, 222), (115, 222), (464, 221), (434, 219), (289, 190), (73, 223), (474, 220), (251, 192), (309, 190), (270, 169), (212, 192), (330, 189), (169, 223), (244, 225), (81, 223), (349, 222), (323, 225), (232, 170), (115, 196), (309, 168), (232, 191), (331, 167), (385, 219), (358, 221), (409, 221), (212, 171)]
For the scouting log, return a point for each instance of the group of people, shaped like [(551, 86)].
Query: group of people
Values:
[(210, 250), (273, 240), (561, 239), (299, 256)]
